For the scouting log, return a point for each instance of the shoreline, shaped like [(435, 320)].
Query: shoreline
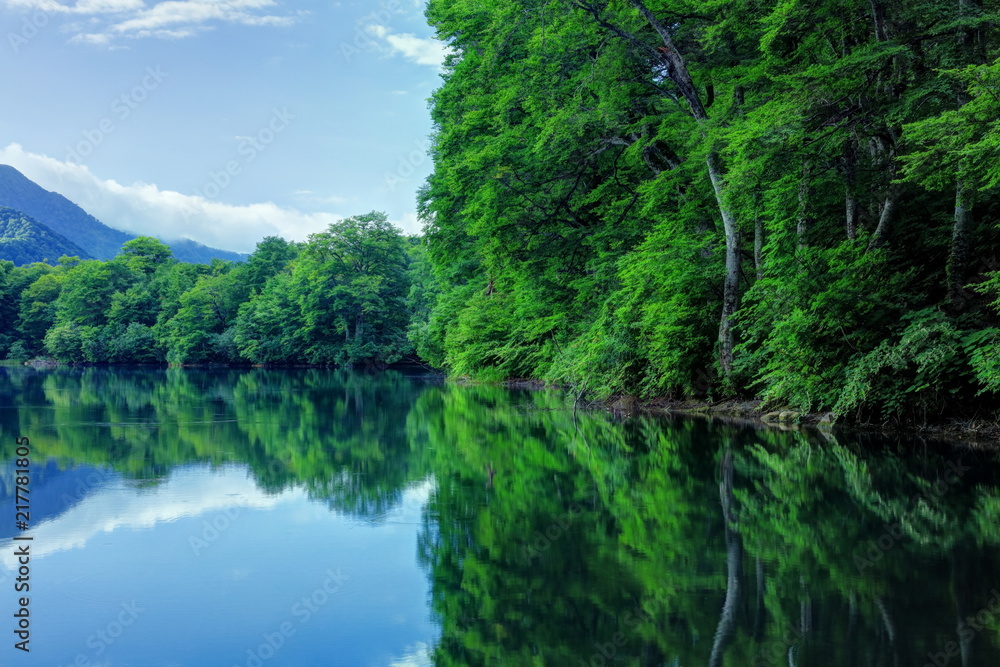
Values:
[(977, 433), (980, 433)]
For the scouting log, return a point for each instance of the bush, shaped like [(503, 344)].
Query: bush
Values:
[(18, 352), (911, 376)]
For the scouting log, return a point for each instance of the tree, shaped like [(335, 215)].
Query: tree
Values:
[(271, 255), (197, 332), (145, 254), (87, 292), (268, 326), (350, 284), (545, 131), (37, 312), (671, 61)]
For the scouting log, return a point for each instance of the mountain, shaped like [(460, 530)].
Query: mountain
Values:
[(24, 240), (53, 491), (96, 239), (187, 250)]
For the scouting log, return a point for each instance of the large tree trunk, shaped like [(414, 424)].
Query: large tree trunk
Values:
[(884, 145), (878, 19), (851, 205), (962, 229), (678, 73), (887, 149), (758, 247), (961, 244), (885, 218), (359, 324), (804, 222), (731, 283)]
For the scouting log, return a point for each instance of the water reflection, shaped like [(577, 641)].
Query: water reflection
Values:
[(219, 518), (683, 542), (409, 522)]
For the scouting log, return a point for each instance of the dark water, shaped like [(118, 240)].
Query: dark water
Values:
[(314, 517)]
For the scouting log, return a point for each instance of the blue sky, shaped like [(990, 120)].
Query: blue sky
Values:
[(218, 121)]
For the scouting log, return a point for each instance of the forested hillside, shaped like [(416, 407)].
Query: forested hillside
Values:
[(24, 240), (788, 199), (340, 298)]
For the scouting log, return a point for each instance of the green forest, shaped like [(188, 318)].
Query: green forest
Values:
[(793, 200), (788, 200), (341, 298)]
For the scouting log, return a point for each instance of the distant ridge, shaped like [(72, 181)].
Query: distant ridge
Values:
[(68, 220)]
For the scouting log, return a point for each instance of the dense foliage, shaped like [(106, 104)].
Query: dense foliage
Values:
[(340, 298), (791, 199)]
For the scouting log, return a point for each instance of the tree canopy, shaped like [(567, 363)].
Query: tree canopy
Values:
[(340, 298), (788, 199)]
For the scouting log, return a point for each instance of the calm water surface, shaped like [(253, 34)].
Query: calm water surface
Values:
[(307, 517)]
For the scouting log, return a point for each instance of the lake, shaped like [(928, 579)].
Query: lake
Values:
[(314, 517)]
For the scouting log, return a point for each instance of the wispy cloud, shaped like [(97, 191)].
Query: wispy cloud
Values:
[(420, 50), (80, 7), (174, 19)]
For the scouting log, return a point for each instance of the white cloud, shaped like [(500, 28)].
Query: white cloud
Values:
[(197, 12), (312, 199), (418, 655), (172, 19), (189, 492), (143, 208), (423, 51), (80, 7), (91, 38)]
